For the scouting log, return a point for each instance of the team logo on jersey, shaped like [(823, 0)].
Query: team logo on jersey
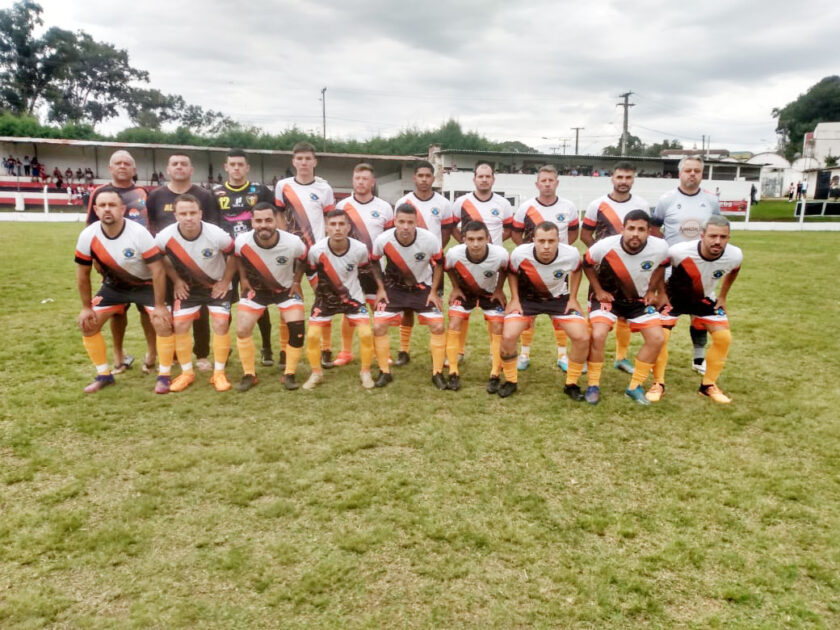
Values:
[(647, 265), (313, 196), (129, 253), (251, 199), (718, 274), (351, 267), (560, 218), (495, 212), (281, 260), (435, 211), (650, 310), (207, 252), (374, 214), (559, 274), (419, 256), (488, 274)]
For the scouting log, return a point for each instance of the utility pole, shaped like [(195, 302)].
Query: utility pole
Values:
[(626, 105), (577, 137), (324, 115), (565, 142)]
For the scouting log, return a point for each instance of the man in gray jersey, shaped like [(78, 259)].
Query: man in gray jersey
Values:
[(679, 216)]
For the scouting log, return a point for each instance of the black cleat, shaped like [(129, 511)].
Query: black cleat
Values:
[(507, 389), (573, 392), (281, 360), (326, 359), (454, 382), (247, 382), (383, 379), (402, 359), (288, 381), (493, 385), (265, 357), (437, 381)]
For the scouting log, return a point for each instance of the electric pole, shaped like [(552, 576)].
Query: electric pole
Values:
[(324, 115), (577, 137), (626, 105)]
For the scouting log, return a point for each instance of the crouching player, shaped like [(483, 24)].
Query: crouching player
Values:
[(199, 261), (271, 264), (544, 277), (697, 268), (624, 271), (477, 270)]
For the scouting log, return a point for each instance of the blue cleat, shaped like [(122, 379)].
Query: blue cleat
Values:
[(637, 395), (523, 362), (563, 364), (624, 365), (592, 395)]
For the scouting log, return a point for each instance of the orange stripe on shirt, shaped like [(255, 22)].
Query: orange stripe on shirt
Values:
[(621, 274), (421, 222), (472, 211), (693, 272), (260, 267), (360, 231), (610, 217), (335, 280), (534, 277), (394, 256), (302, 222), (176, 251), (467, 278), (101, 254)]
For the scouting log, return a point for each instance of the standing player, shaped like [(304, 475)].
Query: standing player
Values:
[(161, 208), (338, 261), (679, 214), (605, 217), (369, 216), (477, 270), (132, 273), (235, 199), (624, 271), (271, 263), (546, 206), (697, 267), (306, 199), (544, 278), (413, 275), (434, 213)]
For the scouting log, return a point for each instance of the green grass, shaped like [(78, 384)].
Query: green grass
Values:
[(406, 507), (780, 210)]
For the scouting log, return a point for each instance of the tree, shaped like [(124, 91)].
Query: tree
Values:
[(635, 146), (821, 103), (656, 149), (202, 120), (151, 108)]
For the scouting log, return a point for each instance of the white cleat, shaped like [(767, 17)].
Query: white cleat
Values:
[(699, 367), (367, 380), (315, 379)]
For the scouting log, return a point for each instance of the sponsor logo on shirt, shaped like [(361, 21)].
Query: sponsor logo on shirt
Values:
[(718, 274), (281, 260), (313, 196), (129, 253), (435, 211), (350, 267), (559, 274), (560, 218), (207, 252), (488, 274), (647, 265), (419, 256), (495, 212)]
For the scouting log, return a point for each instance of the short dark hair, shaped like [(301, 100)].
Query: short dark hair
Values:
[(236, 153), (303, 147), (337, 212), (624, 165), (637, 215), (265, 205), (186, 198), (180, 153), (406, 208), (364, 166), (424, 164), (475, 226), (483, 163), (547, 226)]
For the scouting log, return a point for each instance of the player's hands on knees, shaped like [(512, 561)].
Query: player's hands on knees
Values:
[(218, 290), (513, 307), (662, 301), (721, 303), (500, 297), (181, 290), (162, 318), (604, 296), (381, 298), (87, 320), (434, 299), (650, 297), (455, 295), (572, 305)]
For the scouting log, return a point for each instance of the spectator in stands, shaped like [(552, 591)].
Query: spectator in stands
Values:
[(35, 170), (834, 188), (6, 165), (26, 165), (68, 175), (155, 181), (798, 191), (161, 178), (753, 195), (88, 175), (79, 175), (19, 167), (58, 178)]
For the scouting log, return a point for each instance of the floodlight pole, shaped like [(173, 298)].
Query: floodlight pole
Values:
[(626, 105)]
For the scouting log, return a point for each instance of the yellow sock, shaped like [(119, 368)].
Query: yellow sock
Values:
[(622, 339), (465, 328), (405, 338), (346, 335), (509, 368), (453, 342), (382, 347), (284, 334), (292, 359), (437, 344), (661, 360), (716, 356), (562, 340), (593, 376), (166, 354), (313, 347), (495, 352), (366, 346), (527, 337), (574, 372), (98, 352), (221, 350), (640, 373), (326, 337), (183, 350), (247, 354)]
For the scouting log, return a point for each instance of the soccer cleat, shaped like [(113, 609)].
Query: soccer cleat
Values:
[(162, 384), (383, 379), (128, 361), (592, 395), (438, 381), (265, 357), (327, 360), (523, 362), (637, 395), (220, 381), (182, 381), (343, 358), (281, 360), (102, 380), (315, 379), (289, 382), (563, 362), (403, 358), (700, 368), (462, 358), (656, 392), (247, 382), (454, 382), (506, 389), (493, 385), (203, 365), (624, 365), (367, 380), (713, 391), (573, 392)]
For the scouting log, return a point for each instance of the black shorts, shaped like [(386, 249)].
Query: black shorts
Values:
[(111, 300), (554, 308), (637, 314), (704, 314), (400, 300)]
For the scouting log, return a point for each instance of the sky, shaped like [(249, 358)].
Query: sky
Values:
[(527, 71)]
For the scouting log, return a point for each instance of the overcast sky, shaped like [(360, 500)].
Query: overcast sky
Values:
[(511, 70)]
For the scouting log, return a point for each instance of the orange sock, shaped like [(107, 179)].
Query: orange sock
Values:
[(453, 342), (593, 376), (509, 368), (405, 338), (292, 359), (247, 354), (495, 353), (622, 339), (465, 328), (346, 335), (366, 346), (526, 339), (221, 350), (382, 348), (313, 347), (662, 360), (716, 355), (284, 334), (640, 373), (183, 350), (326, 337), (561, 339), (574, 372), (437, 345), (166, 354), (98, 352)]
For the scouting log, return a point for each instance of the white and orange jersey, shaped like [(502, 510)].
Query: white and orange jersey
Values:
[(695, 277), (626, 275), (270, 269), (368, 220), (496, 213), (477, 277), (305, 206), (433, 214), (409, 266), (123, 259), (542, 281), (605, 215), (199, 262), (530, 214), (339, 274)]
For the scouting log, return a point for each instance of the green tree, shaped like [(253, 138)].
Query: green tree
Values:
[(821, 103), (635, 146), (655, 149)]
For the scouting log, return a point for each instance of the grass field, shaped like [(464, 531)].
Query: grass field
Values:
[(408, 507)]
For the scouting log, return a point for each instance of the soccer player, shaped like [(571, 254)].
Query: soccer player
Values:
[(306, 199), (697, 268), (161, 209), (679, 214), (338, 260), (544, 277), (200, 264), (477, 270), (413, 275), (271, 263), (605, 217), (625, 271), (434, 213), (369, 216), (546, 206), (235, 199), (132, 273)]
